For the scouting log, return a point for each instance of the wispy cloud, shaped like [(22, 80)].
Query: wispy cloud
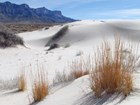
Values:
[(129, 11), (122, 13)]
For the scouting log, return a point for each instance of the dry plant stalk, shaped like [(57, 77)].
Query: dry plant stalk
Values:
[(113, 69), (22, 81)]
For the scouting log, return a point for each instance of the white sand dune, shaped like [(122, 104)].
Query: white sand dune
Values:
[(84, 31), (82, 36)]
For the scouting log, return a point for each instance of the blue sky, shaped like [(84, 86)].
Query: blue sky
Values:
[(89, 9)]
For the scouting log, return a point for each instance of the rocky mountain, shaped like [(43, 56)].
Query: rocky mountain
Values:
[(10, 12)]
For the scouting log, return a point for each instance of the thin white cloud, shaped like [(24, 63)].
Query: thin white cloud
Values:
[(130, 12), (123, 13)]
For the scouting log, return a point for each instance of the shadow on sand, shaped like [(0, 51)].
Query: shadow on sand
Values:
[(91, 99), (34, 103), (12, 92)]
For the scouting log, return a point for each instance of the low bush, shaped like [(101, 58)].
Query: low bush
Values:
[(53, 46), (9, 39)]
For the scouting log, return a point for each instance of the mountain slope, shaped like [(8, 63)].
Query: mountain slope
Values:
[(23, 13)]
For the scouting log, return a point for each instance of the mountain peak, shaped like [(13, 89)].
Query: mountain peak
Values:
[(7, 2), (25, 5), (10, 12)]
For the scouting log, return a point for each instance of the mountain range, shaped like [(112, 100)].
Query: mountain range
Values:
[(10, 12)]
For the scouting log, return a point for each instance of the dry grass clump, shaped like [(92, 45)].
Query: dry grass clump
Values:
[(22, 82), (113, 69), (40, 86), (79, 68), (80, 73), (62, 78), (18, 82)]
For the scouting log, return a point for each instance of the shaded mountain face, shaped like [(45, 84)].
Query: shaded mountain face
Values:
[(23, 13)]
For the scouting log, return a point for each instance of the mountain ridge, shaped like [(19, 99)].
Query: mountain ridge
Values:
[(10, 12)]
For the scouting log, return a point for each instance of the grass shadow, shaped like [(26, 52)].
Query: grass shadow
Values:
[(91, 99), (34, 103), (15, 91)]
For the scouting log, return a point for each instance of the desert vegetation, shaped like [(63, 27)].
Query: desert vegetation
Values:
[(22, 82), (53, 46), (79, 67), (63, 77), (26, 27), (76, 69), (40, 87), (58, 35), (8, 39), (114, 67), (18, 82)]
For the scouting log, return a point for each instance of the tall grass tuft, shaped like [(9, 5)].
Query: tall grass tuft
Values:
[(40, 87), (113, 69)]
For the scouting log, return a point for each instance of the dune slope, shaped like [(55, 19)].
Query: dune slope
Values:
[(81, 39)]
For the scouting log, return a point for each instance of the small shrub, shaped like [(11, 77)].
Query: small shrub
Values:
[(9, 39), (113, 69), (46, 28), (53, 46), (40, 86)]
